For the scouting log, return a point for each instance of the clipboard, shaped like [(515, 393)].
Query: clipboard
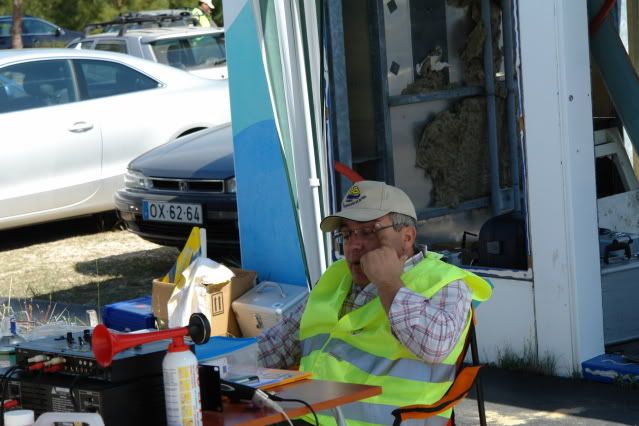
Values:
[(272, 377), (268, 378)]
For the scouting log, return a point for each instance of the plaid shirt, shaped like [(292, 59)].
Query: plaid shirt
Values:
[(429, 328)]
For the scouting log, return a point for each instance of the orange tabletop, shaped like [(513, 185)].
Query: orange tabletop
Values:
[(320, 394)]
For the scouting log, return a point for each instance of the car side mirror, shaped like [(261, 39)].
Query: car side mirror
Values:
[(58, 32)]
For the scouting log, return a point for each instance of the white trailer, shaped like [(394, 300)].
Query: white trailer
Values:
[(504, 171)]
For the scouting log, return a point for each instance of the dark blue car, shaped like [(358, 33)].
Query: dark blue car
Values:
[(36, 32), (185, 183)]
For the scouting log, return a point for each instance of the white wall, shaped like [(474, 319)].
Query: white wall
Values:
[(506, 322)]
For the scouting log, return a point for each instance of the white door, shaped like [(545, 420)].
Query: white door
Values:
[(50, 146)]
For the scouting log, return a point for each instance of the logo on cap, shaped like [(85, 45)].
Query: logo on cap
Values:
[(353, 196)]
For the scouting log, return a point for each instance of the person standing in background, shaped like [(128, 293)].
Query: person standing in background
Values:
[(202, 13)]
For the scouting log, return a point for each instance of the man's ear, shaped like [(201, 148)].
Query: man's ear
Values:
[(409, 236)]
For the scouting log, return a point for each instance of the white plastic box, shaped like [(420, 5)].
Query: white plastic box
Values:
[(229, 354), (261, 307)]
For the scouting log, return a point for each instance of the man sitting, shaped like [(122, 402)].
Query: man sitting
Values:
[(389, 314)]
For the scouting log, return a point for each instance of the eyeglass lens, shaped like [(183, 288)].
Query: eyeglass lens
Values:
[(364, 233)]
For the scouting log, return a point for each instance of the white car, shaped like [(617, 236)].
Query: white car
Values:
[(80, 117)]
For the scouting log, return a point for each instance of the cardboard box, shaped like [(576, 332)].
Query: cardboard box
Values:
[(222, 295)]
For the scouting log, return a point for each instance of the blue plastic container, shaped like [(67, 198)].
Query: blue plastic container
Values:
[(610, 368), (130, 315), (220, 345)]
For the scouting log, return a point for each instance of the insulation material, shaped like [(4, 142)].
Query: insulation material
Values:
[(472, 54), (430, 74), (453, 148), (460, 177)]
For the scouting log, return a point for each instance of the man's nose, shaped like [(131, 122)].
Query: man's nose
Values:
[(356, 240)]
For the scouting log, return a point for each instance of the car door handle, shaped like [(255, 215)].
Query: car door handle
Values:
[(81, 126)]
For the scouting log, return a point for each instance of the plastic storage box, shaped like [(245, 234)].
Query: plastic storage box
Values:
[(229, 354), (261, 307), (130, 315), (610, 368)]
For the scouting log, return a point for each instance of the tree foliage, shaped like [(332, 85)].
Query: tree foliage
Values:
[(75, 14)]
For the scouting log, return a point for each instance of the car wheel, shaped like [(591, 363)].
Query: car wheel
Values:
[(108, 221)]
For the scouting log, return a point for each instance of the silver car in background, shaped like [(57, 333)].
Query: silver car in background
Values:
[(71, 120), (198, 50)]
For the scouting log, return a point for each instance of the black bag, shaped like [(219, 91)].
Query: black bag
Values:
[(502, 242)]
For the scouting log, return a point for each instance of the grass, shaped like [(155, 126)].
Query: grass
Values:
[(51, 274), (33, 314), (528, 361), (79, 267)]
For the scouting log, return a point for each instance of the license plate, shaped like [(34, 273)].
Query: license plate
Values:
[(172, 212)]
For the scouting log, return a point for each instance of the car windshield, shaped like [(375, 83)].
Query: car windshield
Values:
[(191, 53)]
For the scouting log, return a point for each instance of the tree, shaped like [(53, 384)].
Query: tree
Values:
[(218, 14), (16, 26)]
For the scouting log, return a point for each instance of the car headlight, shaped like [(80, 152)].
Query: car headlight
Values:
[(230, 185), (136, 180)]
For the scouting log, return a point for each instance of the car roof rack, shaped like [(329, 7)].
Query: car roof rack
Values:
[(145, 19)]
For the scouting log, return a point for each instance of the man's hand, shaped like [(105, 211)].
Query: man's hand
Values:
[(383, 268)]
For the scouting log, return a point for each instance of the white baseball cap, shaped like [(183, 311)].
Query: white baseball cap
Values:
[(368, 200), (208, 3)]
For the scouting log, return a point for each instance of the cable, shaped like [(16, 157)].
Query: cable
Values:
[(5, 386), (264, 399), (237, 391), (74, 401), (280, 399)]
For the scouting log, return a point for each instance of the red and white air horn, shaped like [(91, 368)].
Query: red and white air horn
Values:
[(106, 345)]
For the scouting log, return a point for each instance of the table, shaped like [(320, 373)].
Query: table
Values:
[(320, 394)]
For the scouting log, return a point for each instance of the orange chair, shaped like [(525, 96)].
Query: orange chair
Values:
[(466, 377)]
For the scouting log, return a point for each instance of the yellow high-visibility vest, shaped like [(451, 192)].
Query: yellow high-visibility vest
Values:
[(202, 19), (360, 348)]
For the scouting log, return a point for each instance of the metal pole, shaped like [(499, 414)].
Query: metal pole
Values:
[(339, 92), (491, 114), (478, 387), (511, 119)]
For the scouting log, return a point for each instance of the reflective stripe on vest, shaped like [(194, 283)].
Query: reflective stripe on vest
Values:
[(378, 366), (360, 348)]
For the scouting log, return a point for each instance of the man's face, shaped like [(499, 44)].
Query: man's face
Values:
[(368, 236)]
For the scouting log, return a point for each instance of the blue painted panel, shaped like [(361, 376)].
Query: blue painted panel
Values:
[(250, 99), (268, 232), (269, 238)]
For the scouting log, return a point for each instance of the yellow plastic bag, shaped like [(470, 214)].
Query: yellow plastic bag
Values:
[(195, 247)]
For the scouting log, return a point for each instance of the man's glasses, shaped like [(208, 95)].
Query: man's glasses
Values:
[(367, 234)]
